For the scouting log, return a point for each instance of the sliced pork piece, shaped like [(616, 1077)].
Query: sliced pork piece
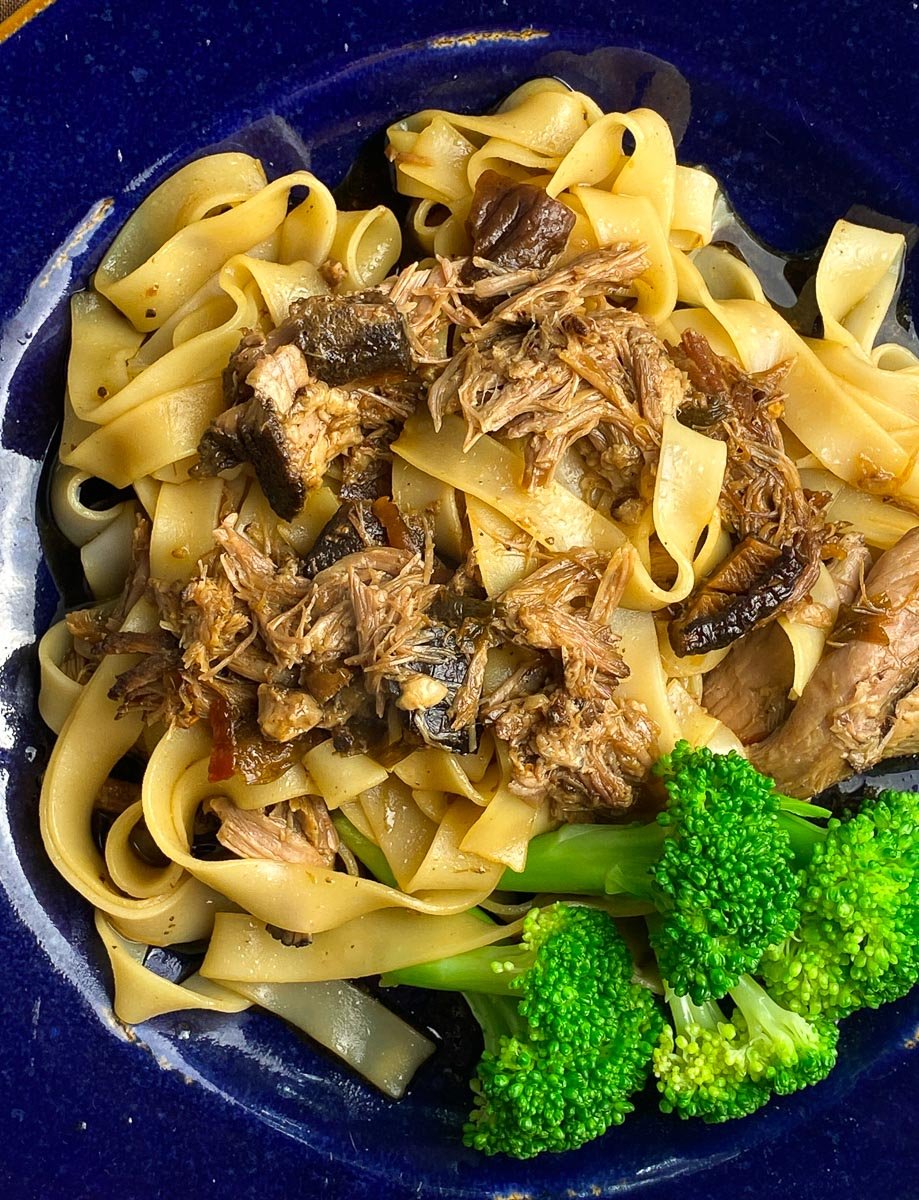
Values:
[(844, 721), (904, 733), (748, 690), (849, 571)]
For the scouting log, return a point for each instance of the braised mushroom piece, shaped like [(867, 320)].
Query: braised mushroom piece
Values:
[(514, 225), (291, 429), (749, 588)]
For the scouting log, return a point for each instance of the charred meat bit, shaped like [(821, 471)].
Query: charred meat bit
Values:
[(848, 711), (751, 587), (515, 225)]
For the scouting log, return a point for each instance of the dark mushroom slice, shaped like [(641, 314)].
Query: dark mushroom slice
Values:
[(352, 529), (347, 337), (748, 589), (359, 525), (426, 691), (288, 937), (514, 225)]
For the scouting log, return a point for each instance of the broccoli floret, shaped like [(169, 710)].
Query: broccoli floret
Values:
[(716, 864), (857, 941), (783, 1050), (710, 1067), (700, 1065), (568, 1034)]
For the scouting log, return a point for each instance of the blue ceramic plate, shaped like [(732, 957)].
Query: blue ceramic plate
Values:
[(803, 109)]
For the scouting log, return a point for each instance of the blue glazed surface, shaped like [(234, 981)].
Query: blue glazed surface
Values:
[(803, 109)]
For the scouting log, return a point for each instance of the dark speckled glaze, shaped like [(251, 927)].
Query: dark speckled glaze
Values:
[(803, 109)]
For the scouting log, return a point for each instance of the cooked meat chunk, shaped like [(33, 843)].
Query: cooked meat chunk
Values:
[(421, 691), (348, 337), (564, 608), (750, 588), (282, 833), (845, 717), (584, 755), (555, 366), (399, 641), (445, 668), (284, 713), (515, 225), (748, 690), (291, 429)]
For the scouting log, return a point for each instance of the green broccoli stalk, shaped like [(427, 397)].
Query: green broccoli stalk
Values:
[(857, 941), (363, 849), (717, 865), (568, 1034), (701, 1067)]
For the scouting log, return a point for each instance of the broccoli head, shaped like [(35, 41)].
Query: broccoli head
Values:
[(784, 1050), (718, 1069), (716, 865), (701, 1067), (568, 1034), (857, 941)]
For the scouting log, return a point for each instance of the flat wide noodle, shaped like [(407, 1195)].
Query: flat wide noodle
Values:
[(353, 1025), (242, 950), (141, 994), (289, 895)]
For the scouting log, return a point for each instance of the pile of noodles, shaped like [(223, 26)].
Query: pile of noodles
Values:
[(217, 250)]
